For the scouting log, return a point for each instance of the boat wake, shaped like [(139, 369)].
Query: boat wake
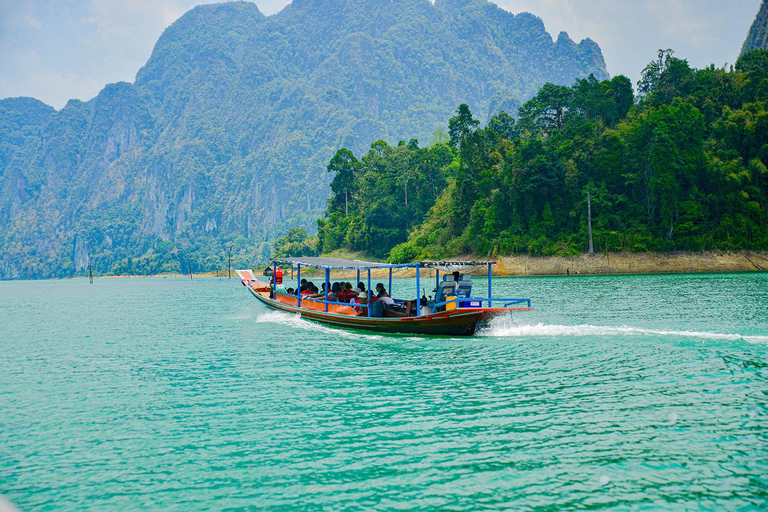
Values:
[(508, 328), (505, 327), (296, 322)]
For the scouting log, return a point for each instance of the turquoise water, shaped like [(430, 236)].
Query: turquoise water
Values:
[(630, 392)]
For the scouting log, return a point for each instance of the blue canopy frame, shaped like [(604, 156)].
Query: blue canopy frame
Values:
[(329, 264)]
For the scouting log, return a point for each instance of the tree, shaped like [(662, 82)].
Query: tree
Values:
[(296, 243), (461, 125), (546, 111), (344, 164), (503, 125), (653, 71)]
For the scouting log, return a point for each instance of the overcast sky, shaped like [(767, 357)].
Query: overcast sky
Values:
[(55, 50)]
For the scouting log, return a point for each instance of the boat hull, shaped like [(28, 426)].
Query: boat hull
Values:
[(458, 322)]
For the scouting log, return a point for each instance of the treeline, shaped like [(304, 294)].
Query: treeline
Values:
[(682, 166)]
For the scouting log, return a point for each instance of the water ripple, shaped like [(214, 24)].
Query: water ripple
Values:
[(157, 394)]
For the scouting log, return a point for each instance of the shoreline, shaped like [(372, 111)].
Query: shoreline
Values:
[(608, 264), (635, 263), (524, 265), (600, 264)]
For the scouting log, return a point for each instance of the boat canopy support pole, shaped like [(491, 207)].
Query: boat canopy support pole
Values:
[(390, 281), (327, 285), (298, 283), (369, 292), (418, 287), (437, 280), (358, 277), (490, 281)]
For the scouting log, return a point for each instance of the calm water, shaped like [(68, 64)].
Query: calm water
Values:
[(628, 392)]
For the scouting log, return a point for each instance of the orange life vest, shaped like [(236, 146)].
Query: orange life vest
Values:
[(279, 276)]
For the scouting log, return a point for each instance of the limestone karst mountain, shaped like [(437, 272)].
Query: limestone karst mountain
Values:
[(227, 131), (757, 38)]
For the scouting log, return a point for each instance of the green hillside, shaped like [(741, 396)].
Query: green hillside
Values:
[(225, 135), (684, 167)]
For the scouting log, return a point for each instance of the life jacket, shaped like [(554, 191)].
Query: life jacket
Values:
[(279, 275)]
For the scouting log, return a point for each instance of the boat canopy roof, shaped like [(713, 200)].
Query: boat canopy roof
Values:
[(340, 263), (455, 265)]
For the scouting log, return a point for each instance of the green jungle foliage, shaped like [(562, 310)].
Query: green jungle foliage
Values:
[(681, 167), (296, 243), (225, 135)]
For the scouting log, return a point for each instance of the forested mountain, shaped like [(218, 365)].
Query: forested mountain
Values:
[(757, 38), (227, 131), (682, 167)]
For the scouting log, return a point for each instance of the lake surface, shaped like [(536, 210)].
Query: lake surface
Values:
[(634, 392)]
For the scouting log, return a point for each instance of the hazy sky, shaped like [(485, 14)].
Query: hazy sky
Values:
[(55, 50)]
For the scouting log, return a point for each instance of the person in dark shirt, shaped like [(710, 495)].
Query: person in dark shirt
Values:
[(381, 290)]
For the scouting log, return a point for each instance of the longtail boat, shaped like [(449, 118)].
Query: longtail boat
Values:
[(452, 312)]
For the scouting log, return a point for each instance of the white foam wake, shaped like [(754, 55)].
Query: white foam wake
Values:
[(507, 328), (504, 327), (295, 321)]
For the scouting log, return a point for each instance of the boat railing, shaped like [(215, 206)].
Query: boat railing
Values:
[(507, 302), (330, 302)]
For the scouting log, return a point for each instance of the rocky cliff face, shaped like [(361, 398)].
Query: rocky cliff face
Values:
[(757, 38), (226, 133)]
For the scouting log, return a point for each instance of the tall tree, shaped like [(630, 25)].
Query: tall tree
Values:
[(344, 164)]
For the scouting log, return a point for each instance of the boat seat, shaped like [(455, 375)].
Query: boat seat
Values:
[(446, 288), (465, 286)]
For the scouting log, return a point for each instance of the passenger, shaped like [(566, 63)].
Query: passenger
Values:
[(290, 291), (316, 294), (362, 298), (457, 276), (361, 286), (346, 292), (380, 289), (335, 291), (385, 298), (303, 285), (308, 289)]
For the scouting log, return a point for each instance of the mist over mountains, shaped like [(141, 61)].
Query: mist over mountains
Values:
[(227, 131)]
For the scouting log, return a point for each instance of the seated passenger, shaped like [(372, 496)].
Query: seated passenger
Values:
[(385, 299), (380, 289), (362, 298), (336, 288), (361, 287), (333, 294), (346, 294), (290, 291), (308, 290), (315, 293)]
